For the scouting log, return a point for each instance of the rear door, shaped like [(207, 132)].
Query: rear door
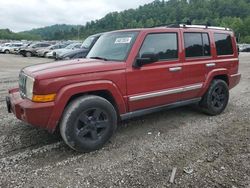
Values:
[(157, 83), (196, 58)]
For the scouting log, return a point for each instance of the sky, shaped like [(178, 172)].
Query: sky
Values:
[(21, 15)]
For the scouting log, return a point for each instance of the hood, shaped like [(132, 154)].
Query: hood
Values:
[(72, 67)]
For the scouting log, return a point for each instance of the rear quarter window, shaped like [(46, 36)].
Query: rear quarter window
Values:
[(223, 43)]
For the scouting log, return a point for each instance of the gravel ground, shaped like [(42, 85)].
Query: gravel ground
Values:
[(207, 151)]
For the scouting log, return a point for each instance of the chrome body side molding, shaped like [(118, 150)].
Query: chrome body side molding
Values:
[(166, 92)]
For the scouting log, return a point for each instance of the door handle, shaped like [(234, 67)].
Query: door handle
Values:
[(175, 69), (210, 64)]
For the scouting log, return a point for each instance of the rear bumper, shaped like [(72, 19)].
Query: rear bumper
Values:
[(234, 80), (35, 114)]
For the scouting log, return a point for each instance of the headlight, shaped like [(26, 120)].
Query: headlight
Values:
[(26, 84), (29, 87)]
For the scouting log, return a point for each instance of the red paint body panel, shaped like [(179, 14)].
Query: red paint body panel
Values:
[(123, 81), (36, 114)]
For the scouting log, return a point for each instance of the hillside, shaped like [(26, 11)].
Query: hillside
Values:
[(55, 32), (230, 13), (7, 34)]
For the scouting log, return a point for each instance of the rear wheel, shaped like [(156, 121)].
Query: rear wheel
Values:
[(88, 123), (7, 51), (216, 98)]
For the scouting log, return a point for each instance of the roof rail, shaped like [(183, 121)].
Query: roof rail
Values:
[(199, 26)]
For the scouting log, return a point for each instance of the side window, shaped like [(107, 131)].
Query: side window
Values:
[(44, 45), (163, 44), (223, 44), (197, 44), (206, 45)]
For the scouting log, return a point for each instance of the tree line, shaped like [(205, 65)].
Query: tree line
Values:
[(234, 14)]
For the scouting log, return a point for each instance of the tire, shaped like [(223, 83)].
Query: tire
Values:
[(28, 54), (45, 53), (6, 51), (88, 123), (216, 98)]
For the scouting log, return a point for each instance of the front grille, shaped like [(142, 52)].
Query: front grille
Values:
[(22, 84)]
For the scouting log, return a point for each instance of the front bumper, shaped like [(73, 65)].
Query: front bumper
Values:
[(36, 114)]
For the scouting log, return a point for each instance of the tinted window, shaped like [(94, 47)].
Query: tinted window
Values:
[(197, 44), (163, 44), (206, 45), (44, 45), (223, 44)]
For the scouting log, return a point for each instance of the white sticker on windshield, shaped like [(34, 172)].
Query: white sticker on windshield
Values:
[(123, 40)]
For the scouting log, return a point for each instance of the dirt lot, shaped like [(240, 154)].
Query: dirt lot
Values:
[(214, 151)]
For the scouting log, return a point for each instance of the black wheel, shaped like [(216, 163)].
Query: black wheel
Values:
[(28, 54), (216, 98), (88, 123), (7, 51)]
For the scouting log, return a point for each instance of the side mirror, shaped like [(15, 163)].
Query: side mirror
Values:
[(146, 58)]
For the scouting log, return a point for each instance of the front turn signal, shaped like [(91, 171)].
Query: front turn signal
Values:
[(44, 98)]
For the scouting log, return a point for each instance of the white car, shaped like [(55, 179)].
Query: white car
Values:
[(3, 46), (68, 48), (11, 47)]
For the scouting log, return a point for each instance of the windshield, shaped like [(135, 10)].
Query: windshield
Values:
[(87, 42), (113, 46)]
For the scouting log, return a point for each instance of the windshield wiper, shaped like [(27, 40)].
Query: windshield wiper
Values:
[(101, 58)]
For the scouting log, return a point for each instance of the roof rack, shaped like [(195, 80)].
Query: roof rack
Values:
[(198, 26)]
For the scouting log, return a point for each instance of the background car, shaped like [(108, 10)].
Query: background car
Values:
[(4, 46), (247, 49), (13, 48), (17, 50), (68, 48), (244, 47), (7, 49), (83, 51), (31, 50), (42, 52)]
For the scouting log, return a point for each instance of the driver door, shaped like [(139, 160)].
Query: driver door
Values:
[(160, 82)]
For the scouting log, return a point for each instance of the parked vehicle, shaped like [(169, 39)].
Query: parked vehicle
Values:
[(17, 50), (42, 52), (128, 73), (82, 52), (69, 48), (7, 49), (3, 46), (31, 50), (244, 47), (13, 48)]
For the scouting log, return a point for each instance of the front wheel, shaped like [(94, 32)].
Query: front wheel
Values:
[(216, 98), (88, 123), (28, 54)]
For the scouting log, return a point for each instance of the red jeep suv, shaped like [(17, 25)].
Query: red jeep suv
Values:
[(128, 73)]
